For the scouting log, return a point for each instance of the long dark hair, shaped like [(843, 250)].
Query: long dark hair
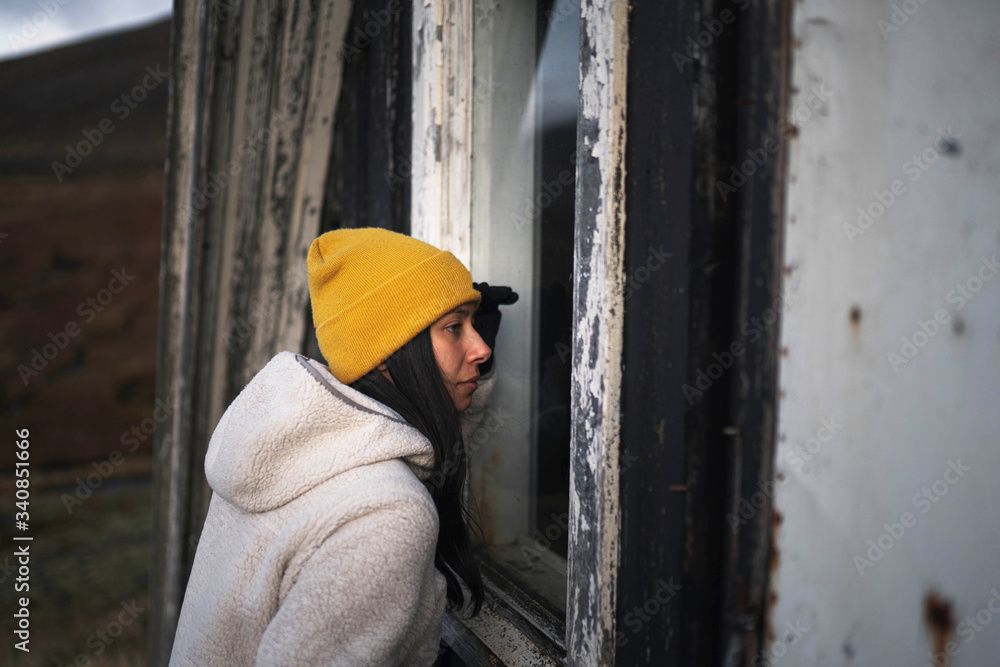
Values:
[(418, 393)]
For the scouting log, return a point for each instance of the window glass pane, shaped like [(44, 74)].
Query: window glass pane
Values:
[(524, 135)]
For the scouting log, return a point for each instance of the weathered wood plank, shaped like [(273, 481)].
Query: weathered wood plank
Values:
[(441, 207), (598, 289), (368, 181), (254, 86)]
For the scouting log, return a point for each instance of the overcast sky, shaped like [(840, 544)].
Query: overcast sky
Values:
[(26, 26)]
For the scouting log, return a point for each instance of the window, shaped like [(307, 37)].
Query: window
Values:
[(495, 169), (525, 71)]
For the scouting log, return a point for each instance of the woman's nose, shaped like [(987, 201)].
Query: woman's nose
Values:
[(480, 351)]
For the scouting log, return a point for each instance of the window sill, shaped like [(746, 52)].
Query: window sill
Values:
[(511, 629)]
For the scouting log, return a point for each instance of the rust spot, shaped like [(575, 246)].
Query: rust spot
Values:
[(793, 130), (774, 560), (772, 600), (784, 351), (855, 319), (741, 596), (487, 518), (659, 430), (495, 458), (939, 621), (780, 476)]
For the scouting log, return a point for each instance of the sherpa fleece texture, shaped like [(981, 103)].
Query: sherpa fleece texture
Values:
[(319, 544)]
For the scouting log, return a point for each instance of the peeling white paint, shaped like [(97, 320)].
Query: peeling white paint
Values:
[(440, 205), (598, 311)]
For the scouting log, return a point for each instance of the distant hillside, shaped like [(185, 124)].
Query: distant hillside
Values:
[(60, 97), (62, 241)]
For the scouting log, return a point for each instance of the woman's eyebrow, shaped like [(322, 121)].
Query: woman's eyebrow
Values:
[(465, 306)]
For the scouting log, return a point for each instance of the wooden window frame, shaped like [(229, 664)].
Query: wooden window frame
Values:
[(512, 626)]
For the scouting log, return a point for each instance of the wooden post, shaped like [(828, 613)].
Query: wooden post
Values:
[(254, 87)]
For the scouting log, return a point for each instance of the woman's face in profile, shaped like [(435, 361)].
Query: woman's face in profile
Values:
[(459, 350)]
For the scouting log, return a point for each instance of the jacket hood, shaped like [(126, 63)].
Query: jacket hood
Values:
[(295, 426)]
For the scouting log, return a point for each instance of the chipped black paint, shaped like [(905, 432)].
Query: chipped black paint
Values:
[(589, 638), (238, 252)]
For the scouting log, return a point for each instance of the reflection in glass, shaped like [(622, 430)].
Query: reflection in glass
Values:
[(524, 167)]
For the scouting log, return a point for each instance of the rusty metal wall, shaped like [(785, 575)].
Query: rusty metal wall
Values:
[(885, 489)]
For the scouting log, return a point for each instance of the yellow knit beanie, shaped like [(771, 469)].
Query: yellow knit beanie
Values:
[(373, 290)]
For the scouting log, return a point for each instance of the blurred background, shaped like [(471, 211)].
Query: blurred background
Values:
[(83, 121), (767, 484)]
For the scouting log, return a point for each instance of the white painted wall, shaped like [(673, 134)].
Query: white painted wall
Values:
[(893, 86)]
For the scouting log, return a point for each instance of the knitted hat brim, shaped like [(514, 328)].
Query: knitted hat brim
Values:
[(367, 331)]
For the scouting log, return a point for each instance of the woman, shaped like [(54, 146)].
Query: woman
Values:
[(337, 531)]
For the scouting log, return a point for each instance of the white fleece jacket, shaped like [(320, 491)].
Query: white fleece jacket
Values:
[(319, 544)]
